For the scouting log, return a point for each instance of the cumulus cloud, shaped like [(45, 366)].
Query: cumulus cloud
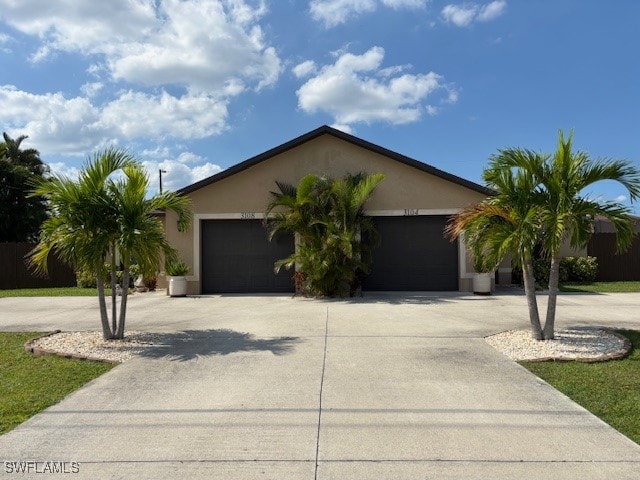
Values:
[(139, 115), (352, 91), (179, 171), (335, 12), (202, 45), (465, 14), (75, 125), (304, 69)]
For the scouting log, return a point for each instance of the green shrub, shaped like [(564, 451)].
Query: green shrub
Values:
[(581, 269), (87, 279), (572, 269)]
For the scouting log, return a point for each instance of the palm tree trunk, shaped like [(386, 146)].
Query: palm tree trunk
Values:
[(123, 303), (532, 303), (554, 279), (114, 309), (107, 334)]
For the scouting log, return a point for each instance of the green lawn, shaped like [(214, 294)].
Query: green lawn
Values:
[(609, 390), (52, 292), (601, 287), (29, 384)]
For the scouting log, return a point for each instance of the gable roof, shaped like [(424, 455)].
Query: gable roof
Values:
[(327, 130)]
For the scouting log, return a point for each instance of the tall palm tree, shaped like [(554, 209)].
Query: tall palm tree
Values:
[(568, 214), (551, 199), (327, 216), (101, 214)]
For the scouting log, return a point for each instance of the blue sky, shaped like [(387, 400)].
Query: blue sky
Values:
[(195, 86)]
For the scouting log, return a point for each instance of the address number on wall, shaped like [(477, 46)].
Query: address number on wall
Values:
[(247, 215), (411, 212)]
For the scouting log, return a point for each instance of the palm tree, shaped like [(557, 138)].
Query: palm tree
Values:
[(548, 199), (20, 214), (29, 157), (506, 223), (101, 214), (568, 214), (327, 216)]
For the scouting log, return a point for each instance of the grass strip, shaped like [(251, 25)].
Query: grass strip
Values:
[(609, 390), (52, 292), (29, 384), (601, 287)]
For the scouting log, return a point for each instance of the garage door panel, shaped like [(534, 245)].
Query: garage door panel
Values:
[(413, 255), (237, 257)]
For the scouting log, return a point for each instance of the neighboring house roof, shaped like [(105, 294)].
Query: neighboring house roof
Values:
[(326, 130)]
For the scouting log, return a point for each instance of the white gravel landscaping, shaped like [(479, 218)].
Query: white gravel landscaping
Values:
[(92, 346), (585, 344)]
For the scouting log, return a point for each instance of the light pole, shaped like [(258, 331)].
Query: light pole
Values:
[(160, 172)]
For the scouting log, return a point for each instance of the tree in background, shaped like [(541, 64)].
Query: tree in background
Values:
[(107, 211), (20, 214), (327, 217)]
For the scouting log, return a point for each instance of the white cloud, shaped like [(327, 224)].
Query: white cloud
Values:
[(140, 115), (304, 69), (342, 127), (91, 89), (203, 45), (621, 198), (62, 169), (177, 173), (404, 3), (352, 91), (459, 15), (57, 124), (492, 10), (335, 12), (465, 14)]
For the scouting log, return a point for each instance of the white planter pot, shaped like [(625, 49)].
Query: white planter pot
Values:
[(482, 283), (177, 286), (139, 284)]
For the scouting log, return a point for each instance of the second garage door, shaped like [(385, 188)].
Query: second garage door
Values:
[(413, 255), (237, 257)]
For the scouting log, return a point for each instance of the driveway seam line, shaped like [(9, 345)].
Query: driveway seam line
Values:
[(324, 364)]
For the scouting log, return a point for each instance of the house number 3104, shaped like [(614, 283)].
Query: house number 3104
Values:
[(410, 212)]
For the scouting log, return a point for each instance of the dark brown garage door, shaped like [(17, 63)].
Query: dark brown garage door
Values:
[(413, 255), (237, 257)]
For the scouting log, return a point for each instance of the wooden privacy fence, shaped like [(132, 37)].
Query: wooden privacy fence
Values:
[(15, 273), (612, 266)]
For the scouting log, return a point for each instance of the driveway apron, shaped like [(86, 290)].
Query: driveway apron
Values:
[(396, 387)]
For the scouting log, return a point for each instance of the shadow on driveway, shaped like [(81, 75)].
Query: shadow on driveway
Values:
[(191, 344)]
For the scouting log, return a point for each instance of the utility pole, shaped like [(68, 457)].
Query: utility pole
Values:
[(160, 172)]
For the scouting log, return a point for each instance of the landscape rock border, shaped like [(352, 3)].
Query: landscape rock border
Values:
[(503, 342)]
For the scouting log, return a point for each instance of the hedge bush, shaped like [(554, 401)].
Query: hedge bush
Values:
[(572, 269), (87, 279)]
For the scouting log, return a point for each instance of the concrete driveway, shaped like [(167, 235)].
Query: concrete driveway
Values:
[(398, 386)]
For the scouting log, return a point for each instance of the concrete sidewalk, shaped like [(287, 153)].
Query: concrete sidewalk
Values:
[(385, 387)]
